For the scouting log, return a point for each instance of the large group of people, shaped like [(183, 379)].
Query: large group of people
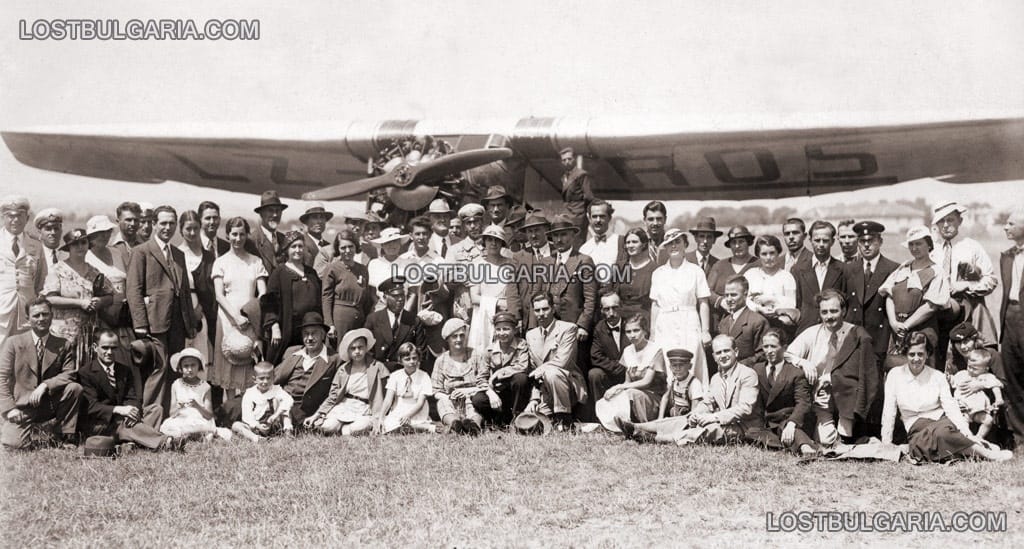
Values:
[(160, 327)]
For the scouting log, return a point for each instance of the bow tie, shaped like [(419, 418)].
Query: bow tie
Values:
[(601, 238)]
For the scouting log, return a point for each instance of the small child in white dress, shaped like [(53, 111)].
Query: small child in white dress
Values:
[(266, 408), (405, 403), (191, 410), (977, 406)]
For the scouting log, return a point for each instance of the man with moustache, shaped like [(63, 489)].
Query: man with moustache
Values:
[(20, 279), (209, 224), (266, 242), (602, 245), (606, 349), (439, 213), (794, 232)]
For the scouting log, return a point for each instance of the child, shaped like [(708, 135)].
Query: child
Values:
[(977, 406), (685, 390), (266, 408), (191, 411), (407, 391)]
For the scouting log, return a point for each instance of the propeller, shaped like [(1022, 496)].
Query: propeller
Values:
[(407, 176)]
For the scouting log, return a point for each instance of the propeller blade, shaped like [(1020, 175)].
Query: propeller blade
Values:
[(351, 188), (457, 162), (413, 199)]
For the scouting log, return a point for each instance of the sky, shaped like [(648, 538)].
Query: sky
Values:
[(318, 63)]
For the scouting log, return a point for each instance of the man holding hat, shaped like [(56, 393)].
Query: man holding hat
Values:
[(20, 279), (576, 191), (860, 283), (266, 242), (307, 370), (705, 233), (393, 325), (50, 224), (971, 276), (315, 219)]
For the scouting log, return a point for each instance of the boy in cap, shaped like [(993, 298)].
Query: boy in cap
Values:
[(686, 390)]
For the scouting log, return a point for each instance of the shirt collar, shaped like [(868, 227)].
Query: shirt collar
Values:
[(35, 338), (267, 232), (302, 352), (602, 238)]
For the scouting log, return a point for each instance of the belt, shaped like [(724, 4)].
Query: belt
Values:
[(360, 399)]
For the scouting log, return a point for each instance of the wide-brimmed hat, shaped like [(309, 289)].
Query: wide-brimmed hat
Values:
[(48, 215), (390, 234), (313, 318), (142, 353), (706, 225), (917, 233), (187, 352), (72, 236), (352, 335), (739, 231), (358, 217), (451, 326), (495, 231), (516, 215), (237, 348), (98, 446), (535, 219), (373, 219), (496, 192), (269, 199), (532, 423), (98, 224), (561, 223), (439, 206), (946, 208), (672, 235), (314, 210), (607, 410)]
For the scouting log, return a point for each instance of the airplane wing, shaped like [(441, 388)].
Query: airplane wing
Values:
[(628, 159)]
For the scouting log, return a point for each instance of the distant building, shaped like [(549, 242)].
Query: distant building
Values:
[(895, 216)]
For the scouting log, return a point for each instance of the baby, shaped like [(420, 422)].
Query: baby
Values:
[(977, 406)]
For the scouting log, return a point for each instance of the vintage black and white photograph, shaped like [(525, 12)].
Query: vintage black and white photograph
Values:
[(512, 274)]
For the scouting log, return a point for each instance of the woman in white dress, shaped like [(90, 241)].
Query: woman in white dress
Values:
[(488, 297), (772, 288), (638, 398), (238, 277), (198, 265), (680, 315)]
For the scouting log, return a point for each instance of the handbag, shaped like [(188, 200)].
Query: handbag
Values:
[(116, 314)]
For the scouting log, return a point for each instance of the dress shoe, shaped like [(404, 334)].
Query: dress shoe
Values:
[(627, 428), (470, 427)]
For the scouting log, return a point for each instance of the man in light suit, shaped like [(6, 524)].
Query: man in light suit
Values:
[(785, 394), (824, 272), (157, 287), (559, 383), (266, 242), (20, 275), (794, 232), (37, 372), (308, 369)]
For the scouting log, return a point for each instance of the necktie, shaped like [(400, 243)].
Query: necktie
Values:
[(53, 256), (170, 266), (209, 245), (947, 259), (704, 263), (771, 373), (110, 376), (39, 359), (394, 328), (867, 272), (444, 247), (833, 350), (15, 248)]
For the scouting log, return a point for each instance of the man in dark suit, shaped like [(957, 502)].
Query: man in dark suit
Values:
[(266, 242), (539, 252), (705, 233), (823, 272), (37, 372), (393, 325), (860, 282), (794, 232), (315, 219), (575, 293), (157, 288), (785, 394), (744, 326), (308, 369), (606, 348), (847, 241), (209, 223), (112, 406), (1011, 321), (576, 190)]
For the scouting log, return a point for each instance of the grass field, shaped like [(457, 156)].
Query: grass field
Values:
[(499, 490)]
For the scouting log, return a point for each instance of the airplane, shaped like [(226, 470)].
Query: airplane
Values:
[(412, 162)]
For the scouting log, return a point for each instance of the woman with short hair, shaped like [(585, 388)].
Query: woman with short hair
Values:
[(635, 287), (347, 296), (772, 288), (680, 316), (293, 290), (76, 290), (640, 394)]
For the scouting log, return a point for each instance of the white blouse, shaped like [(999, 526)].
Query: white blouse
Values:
[(924, 395)]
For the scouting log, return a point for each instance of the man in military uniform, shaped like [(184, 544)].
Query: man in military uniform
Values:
[(50, 224), (576, 192), (20, 279), (860, 282)]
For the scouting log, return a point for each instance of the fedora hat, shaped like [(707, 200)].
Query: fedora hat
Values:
[(942, 210), (352, 335), (609, 409), (98, 447), (313, 318), (535, 219), (142, 353), (739, 231), (532, 423), (269, 199), (561, 223), (314, 210), (706, 225), (390, 234), (516, 215), (496, 192), (71, 237)]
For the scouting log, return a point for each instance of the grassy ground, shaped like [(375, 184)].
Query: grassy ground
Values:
[(499, 490)]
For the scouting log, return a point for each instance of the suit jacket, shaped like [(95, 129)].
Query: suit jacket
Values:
[(386, 348), (807, 289), (45, 261), (857, 378), (576, 295), (518, 295), (865, 306), (692, 258), (604, 352), (376, 374), (320, 378), (100, 398), (719, 274), (272, 253), (746, 330), (203, 278), (786, 399), (803, 259), (21, 371), (737, 405), (312, 251), (220, 247), (1006, 273), (558, 350), (153, 285)]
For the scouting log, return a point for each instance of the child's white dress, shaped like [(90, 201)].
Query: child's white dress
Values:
[(188, 421), (407, 390)]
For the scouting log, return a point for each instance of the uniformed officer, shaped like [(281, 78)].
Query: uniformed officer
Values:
[(861, 280)]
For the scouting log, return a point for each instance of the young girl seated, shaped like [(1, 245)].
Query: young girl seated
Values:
[(191, 411), (405, 403), (977, 406), (686, 389), (266, 408), (357, 390)]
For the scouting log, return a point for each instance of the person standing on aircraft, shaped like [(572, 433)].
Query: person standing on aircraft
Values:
[(146, 222), (848, 241), (971, 277), (602, 245), (315, 219), (128, 214), (266, 242), (655, 216), (576, 191), (795, 232), (20, 279), (704, 234), (209, 222)]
